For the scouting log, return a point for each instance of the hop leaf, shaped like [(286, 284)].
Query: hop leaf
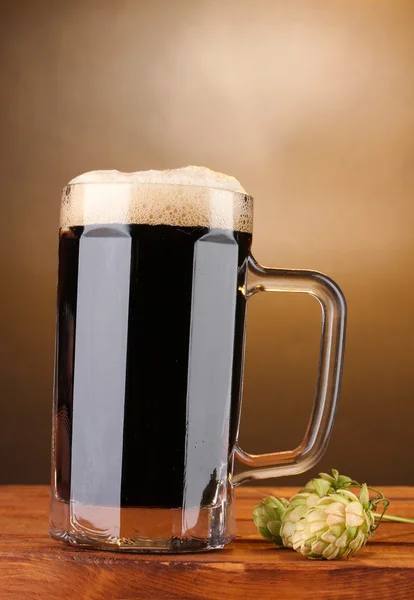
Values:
[(336, 481), (267, 516)]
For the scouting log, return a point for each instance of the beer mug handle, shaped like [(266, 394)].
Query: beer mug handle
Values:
[(332, 301)]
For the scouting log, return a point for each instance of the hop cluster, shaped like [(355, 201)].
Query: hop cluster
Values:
[(325, 520)]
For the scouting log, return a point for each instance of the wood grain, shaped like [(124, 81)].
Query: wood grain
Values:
[(33, 567)]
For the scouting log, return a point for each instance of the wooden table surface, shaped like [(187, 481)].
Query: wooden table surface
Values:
[(33, 567)]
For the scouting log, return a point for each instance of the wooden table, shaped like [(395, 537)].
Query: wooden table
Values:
[(33, 567)]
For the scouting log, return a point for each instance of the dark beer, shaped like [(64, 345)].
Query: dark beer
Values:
[(150, 335)]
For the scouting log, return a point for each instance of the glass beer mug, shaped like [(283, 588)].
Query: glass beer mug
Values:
[(155, 273)]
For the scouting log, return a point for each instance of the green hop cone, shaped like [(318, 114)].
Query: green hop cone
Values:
[(300, 503), (267, 517), (337, 526)]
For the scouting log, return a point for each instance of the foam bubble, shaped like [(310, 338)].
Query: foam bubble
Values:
[(187, 197)]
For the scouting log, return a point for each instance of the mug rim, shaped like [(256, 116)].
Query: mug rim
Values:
[(155, 184)]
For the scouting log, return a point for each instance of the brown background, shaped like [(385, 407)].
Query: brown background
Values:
[(311, 105)]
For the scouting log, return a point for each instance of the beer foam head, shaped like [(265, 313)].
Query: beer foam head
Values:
[(187, 197)]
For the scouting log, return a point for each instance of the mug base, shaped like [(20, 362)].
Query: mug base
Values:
[(142, 529)]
